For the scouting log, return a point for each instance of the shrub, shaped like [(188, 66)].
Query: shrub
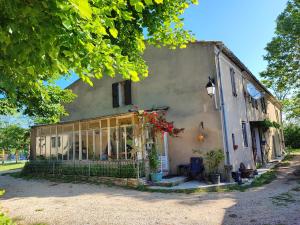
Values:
[(153, 160), (213, 159), (292, 135), (118, 169)]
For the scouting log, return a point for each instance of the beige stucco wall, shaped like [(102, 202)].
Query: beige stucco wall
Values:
[(177, 79), (239, 109)]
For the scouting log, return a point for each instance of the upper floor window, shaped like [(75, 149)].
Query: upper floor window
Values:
[(121, 93), (234, 145), (254, 103), (263, 105), (277, 115), (233, 84), (245, 136)]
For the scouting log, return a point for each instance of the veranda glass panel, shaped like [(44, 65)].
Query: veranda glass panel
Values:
[(65, 146), (122, 143), (125, 142), (125, 121), (97, 145), (113, 122), (104, 147), (67, 142), (59, 143), (104, 123), (84, 145), (90, 145), (129, 141), (43, 147), (53, 152), (37, 147), (48, 147), (93, 124), (76, 145), (70, 140), (113, 143), (47, 133)]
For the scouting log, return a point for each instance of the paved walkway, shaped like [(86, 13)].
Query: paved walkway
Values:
[(56, 204)]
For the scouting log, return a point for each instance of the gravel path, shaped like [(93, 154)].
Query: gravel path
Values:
[(31, 202)]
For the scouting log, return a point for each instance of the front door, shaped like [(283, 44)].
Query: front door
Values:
[(256, 146)]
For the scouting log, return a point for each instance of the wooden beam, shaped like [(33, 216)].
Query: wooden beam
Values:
[(56, 145), (125, 141), (87, 144), (100, 139), (117, 136), (108, 139), (80, 142), (73, 141), (94, 145)]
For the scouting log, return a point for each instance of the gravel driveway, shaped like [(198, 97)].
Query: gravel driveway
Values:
[(31, 202)]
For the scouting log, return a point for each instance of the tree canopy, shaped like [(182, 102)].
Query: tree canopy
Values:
[(283, 57), (13, 138), (41, 41)]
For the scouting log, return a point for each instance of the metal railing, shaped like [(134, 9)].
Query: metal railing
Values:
[(118, 169)]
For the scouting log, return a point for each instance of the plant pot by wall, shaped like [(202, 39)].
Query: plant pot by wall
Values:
[(215, 178), (156, 177)]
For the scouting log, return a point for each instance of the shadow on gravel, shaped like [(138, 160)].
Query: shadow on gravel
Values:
[(250, 207)]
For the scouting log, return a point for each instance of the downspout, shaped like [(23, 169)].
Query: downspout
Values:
[(220, 48)]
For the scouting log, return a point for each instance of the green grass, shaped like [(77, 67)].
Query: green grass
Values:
[(11, 166), (293, 150), (2, 192)]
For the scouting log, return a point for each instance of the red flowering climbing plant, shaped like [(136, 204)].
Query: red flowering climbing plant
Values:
[(158, 120)]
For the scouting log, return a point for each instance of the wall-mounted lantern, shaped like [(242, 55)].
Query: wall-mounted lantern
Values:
[(210, 87)]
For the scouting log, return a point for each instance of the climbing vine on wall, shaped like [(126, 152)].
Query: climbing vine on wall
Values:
[(268, 124)]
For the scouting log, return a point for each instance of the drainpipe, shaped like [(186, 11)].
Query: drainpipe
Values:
[(220, 48)]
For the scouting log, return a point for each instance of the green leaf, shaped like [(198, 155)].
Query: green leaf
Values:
[(30, 70), (148, 2), (67, 24), (90, 47), (114, 32), (139, 6), (83, 7), (159, 1), (134, 76)]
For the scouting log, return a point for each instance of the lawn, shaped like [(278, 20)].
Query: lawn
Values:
[(11, 166)]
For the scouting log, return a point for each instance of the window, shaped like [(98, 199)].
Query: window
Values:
[(277, 116), (233, 85), (233, 142), (245, 136), (263, 105), (121, 93), (53, 142), (254, 103)]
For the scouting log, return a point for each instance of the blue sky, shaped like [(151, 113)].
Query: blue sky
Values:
[(245, 26)]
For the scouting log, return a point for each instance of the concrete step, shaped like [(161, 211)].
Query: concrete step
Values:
[(173, 181)]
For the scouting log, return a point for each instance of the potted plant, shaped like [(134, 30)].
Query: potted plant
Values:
[(213, 159), (154, 163)]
